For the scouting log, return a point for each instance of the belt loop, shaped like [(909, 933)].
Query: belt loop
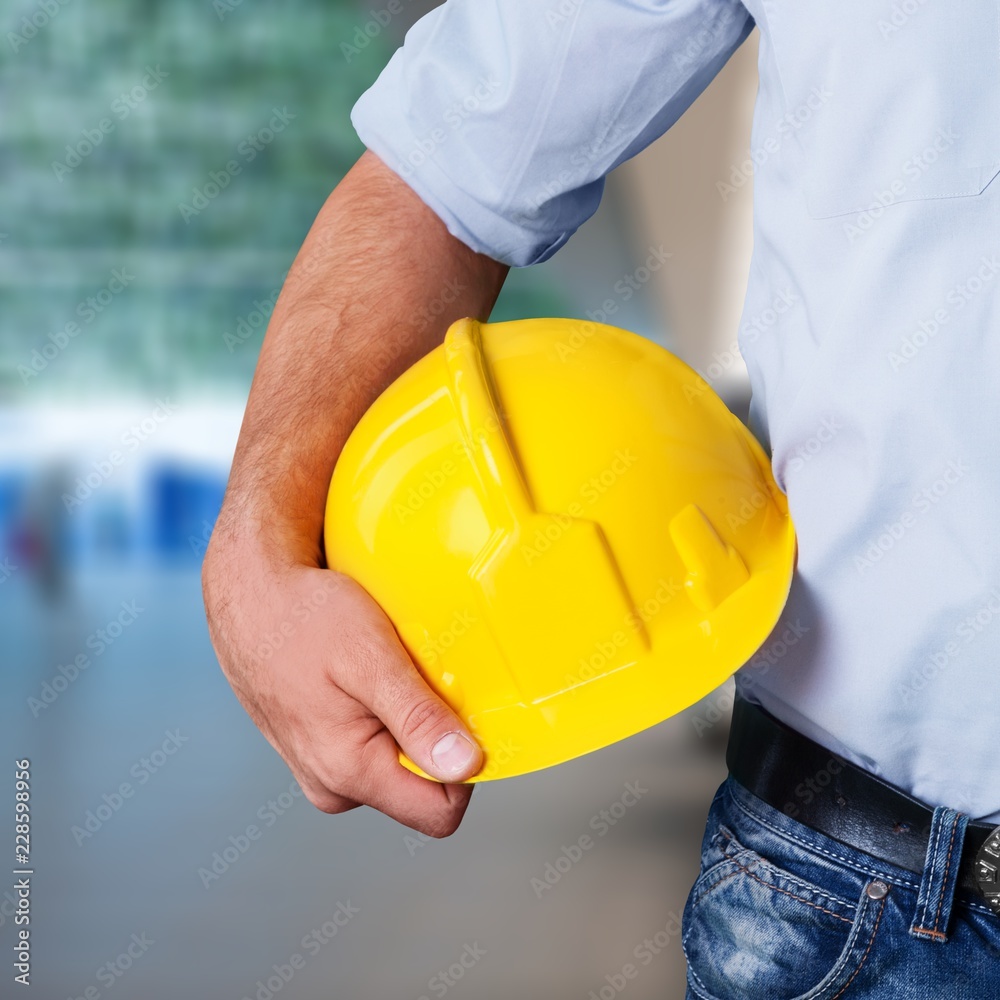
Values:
[(941, 871)]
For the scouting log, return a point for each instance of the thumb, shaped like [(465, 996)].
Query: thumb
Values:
[(383, 678), (423, 725)]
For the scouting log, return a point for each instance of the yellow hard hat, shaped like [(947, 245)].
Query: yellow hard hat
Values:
[(572, 535)]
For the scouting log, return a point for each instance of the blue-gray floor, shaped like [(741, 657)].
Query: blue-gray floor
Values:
[(131, 876)]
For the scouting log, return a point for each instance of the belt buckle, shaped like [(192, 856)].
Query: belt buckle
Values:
[(988, 870)]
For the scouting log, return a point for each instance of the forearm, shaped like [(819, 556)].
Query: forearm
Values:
[(373, 288)]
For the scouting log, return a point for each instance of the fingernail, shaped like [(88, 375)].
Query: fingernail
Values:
[(453, 753)]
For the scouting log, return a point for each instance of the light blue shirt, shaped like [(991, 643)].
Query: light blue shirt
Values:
[(871, 327)]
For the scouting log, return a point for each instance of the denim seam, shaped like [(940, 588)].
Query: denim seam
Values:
[(718, 838), (698, 987), (802, 899), (927, 932), (779, 872), (864, 957), (732, 860), (849, 954), (719, 882), (944, 877), (972, 904), (929, 884), (875, 873), (934, 931)]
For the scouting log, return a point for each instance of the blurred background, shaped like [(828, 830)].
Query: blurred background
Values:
[(136, 278)]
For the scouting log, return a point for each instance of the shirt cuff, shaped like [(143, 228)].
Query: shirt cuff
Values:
[(381, 123)]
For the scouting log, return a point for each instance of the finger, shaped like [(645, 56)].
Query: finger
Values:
[(326, 800), (431, 808), (352, 754), (373, 667), (317, 791)]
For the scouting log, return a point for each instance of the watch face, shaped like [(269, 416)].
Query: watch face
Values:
[(988, 870)]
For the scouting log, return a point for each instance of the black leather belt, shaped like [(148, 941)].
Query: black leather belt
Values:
[(835, 797)]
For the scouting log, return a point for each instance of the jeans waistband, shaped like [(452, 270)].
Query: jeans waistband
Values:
[(826, 793)]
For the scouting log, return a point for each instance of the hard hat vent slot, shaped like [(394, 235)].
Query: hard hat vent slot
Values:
[(714, 568)]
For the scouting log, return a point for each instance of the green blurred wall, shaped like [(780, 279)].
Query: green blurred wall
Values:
[(159, 103)]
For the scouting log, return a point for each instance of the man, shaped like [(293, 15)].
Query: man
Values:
[(840, 857)]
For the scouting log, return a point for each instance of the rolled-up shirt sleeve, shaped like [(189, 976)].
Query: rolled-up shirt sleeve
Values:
[(505, 115)]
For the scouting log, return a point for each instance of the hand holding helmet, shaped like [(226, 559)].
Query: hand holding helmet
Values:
[(572, 536)]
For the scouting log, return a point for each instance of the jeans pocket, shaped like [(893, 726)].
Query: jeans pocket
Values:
[(754, 931)]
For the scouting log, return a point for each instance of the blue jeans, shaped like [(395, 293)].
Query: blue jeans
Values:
[(781, 912)]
